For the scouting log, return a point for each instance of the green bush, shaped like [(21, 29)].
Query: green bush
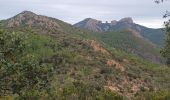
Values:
[(20, 72), (159, 95)]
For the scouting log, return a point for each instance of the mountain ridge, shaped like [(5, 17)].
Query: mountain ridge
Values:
[(156, 36), (99, 26), (86, 64), (59, 28)]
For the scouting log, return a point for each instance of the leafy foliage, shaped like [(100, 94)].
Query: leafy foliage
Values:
[(81, 91), (161, 95), (20, 73), (166, 50)]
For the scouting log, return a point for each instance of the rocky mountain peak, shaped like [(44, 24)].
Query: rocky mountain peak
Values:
[(127, 20), (91, 20), (27, 13), (113, 22), (28, 18), (90, 23)]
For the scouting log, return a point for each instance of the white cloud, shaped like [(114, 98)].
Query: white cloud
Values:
[(151, 23)]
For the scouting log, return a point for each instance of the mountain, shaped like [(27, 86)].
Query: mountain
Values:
[(86, 64), (131, 42), (154, 35), (90, 24), (126, 35), (30, 19), (128, 39), (44, 24)]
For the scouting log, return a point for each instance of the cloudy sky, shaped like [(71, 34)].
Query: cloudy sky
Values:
[(144, 12)]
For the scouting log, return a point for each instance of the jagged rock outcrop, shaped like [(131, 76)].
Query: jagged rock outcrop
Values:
[(113, 22), (98, 26), (126, 20), (154, 35), (91, 24)]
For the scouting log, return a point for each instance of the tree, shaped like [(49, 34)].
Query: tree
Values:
[(159, 1), (166, 50)]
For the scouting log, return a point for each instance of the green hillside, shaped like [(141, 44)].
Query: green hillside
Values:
[(82, 71), (128, 42), (67, 63)]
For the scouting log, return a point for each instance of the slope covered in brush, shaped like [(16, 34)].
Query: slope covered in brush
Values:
[(129, 41), (84, 68), (88, 65)]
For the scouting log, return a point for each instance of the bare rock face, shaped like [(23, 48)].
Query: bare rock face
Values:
[(98, 47), (90, 24), (98, 26), (135, 33), (127, 20), (27, 18), (114, 22)]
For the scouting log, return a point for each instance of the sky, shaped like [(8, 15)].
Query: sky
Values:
[(144, 12)]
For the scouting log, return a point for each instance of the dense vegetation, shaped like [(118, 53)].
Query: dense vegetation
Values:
[(69, 63), (67, 67), (127, 41), (27, 73), (21, 72)]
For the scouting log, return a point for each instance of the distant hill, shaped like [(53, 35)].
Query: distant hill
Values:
[(127, 35), (154, 35), (44, 24)]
